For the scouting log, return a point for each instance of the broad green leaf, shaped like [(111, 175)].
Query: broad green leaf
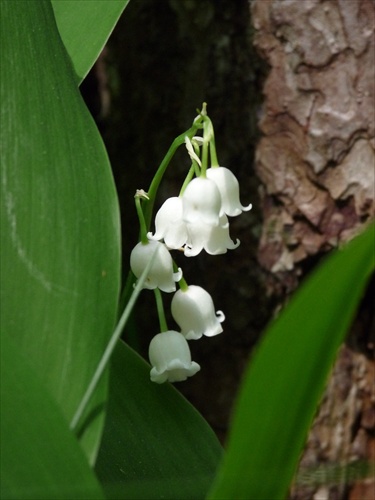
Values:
[(60, 251), (40, 458), (287, 374), (85, 26), (155, 444)]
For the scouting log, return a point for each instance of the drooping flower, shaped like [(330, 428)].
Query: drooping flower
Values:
[(169, 224), (192, 237), (229, 189), (201, 202), (214, 239), (194, 312), (193, 222), (170, 357), (161, 273)]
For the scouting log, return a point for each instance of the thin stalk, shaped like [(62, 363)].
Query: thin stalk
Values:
[(205, 149), (195, 164), (126, 291), (141, 218), (188, 178), (183, 285), (110, 346), (213, 154), (163, 166), (160, 309)]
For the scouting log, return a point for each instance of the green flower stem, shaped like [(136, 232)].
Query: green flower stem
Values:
[(213, 155), (195, 164), (206, 139), (111, 346), (126, 291), (160, 308), (183, 285), (164, 164), (142, 222), (188, 178)]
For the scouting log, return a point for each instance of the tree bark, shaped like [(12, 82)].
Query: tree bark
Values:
[(316, 162), (316, 157)]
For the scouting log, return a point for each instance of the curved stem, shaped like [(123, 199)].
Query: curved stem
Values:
[(183, 285), (149, 205), (110, 346), (213, 155), (141, 218), (206, 140), (188, 178)]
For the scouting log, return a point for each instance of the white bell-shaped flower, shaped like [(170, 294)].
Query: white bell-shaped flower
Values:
[(201, 202), (169, 224), (229, 189), (170, 357), (161, 273), (194, 312), (214, 239)]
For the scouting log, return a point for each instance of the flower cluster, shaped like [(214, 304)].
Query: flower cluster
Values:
[(195, 220), (198, 219)]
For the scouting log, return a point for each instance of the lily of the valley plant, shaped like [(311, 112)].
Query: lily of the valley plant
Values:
[(195, 220)]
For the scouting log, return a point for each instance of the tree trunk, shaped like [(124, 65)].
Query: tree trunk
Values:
[(316, 161)]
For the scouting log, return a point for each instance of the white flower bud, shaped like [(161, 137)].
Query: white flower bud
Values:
[(169, 224), (170, 357), (229, 188), (201, 202), (161, 273), (215, 240), (194, 312)]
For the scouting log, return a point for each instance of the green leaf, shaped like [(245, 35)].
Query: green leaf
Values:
[(60, 240), (155, 444), (287, 375), (40, 458), (85, 26)]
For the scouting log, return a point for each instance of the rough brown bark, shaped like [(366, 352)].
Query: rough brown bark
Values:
[(316, 158), (316, 161)]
